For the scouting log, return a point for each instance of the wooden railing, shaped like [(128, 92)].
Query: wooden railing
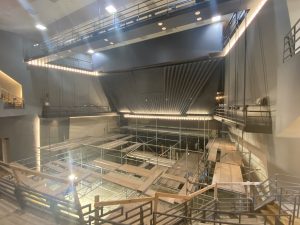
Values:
[(60, 209), (156, 215)]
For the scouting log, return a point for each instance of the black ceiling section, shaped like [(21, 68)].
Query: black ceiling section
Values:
[(169, 89), (182, 46)]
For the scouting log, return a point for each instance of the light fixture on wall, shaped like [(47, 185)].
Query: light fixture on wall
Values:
[(216, 18), (199, 18), (160, 24), (91, 51), (162, 117), (197, 13), (111, 9), (163, 28), (40, 27), (105, 39)]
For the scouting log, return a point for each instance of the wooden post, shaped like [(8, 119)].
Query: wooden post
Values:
[(155, 208), (97, 199), (216, 191)]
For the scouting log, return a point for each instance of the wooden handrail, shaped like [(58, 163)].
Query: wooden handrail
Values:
[(159, 195)]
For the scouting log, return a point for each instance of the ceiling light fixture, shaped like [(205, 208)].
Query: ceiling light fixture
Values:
[(91, 51), (40, 27), (111, 43), (163, 28), (199, 18), (111, 9), (160, 23), (197, 13), (106, 39), (36, 45), (216, 18)]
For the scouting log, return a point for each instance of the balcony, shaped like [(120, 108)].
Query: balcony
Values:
[(250, 118)]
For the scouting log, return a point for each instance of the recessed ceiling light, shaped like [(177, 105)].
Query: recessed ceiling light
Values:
[(36, 45), (91, 51), (160, 24), (199, 18), (111, 43), (105, 39), (40, 27), (197, 13), (216, 18), (111, 9), (163, 28)]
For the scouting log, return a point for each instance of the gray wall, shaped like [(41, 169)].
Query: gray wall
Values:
[(64, 89), (266, 75), (180, 46), (93, 126)]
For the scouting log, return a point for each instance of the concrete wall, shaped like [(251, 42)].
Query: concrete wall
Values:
[(23, 134), (94, 126), (294, 10), (63, 89), (266, 75)]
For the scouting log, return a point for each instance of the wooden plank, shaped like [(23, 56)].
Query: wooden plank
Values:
[(173, 177), (150, 180), (122, 180), (106, 164), (135, 170), (131, 147), (228, 173), (212, 154), (233, 157)]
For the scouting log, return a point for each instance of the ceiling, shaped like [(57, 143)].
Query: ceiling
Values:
[(20, 16)]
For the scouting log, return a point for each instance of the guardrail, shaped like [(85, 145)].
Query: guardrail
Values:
[(62, 210), (246, 115), (66, 111), (122, 19), (292, 42)]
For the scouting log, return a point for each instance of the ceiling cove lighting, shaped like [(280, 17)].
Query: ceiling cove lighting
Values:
[(91, 51), (190, 118), (111, 9), (216, 18), (40, 63), (40, 27), (241, 30)]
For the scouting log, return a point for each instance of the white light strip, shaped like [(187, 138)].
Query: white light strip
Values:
[(242, 28), (63, 68), (203, 117)]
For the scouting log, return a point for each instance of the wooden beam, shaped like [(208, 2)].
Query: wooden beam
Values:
[(36, 173)]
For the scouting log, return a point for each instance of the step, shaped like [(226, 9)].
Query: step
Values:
[(264, 203)]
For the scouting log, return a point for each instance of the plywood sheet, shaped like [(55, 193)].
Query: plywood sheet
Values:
[(228, 173)]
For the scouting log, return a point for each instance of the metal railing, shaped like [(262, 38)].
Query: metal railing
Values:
[(284, 190), (246, 115), (292, 42), (11, 101), (234, 23), (123, 19), (66, 111)]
